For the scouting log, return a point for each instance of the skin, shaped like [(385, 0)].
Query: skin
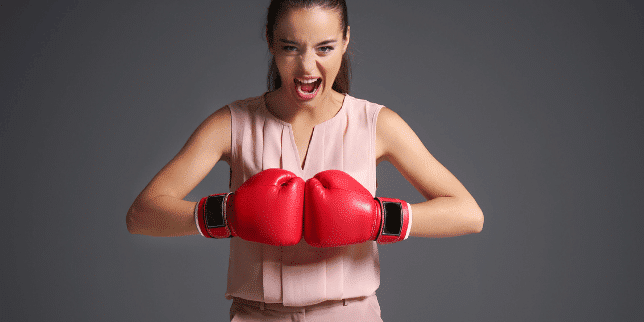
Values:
[(307, 43)]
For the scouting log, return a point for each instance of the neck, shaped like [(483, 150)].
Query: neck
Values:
[(287, 109)]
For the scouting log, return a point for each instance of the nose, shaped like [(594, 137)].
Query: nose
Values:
[(308, 61)]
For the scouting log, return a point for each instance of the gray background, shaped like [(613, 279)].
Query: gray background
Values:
[(536, 106)]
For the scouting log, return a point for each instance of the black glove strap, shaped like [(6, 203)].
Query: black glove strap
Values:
[(392, 218), (215, 211)]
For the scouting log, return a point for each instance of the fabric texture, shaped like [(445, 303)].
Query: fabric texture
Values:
[(303, 275), (362, 309)]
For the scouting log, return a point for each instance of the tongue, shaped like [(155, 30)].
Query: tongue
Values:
[(307, 87)]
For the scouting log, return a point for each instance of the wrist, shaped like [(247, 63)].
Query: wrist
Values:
[(211, 216), (200, 228), (395, 222)]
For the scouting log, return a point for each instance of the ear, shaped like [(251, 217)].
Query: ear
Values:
[(346, 40)]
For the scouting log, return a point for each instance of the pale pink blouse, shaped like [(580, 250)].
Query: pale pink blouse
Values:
[(302, 275)]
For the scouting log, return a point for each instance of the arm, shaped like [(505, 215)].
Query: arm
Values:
[(450, 210), (159, 210)]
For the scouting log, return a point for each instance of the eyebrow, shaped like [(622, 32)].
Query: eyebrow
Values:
[(326, 42)]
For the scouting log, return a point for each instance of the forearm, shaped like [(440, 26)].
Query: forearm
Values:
[(162, 216), (446, 217)]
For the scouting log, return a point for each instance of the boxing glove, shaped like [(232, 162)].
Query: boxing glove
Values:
[(267, 208), (339, 211)]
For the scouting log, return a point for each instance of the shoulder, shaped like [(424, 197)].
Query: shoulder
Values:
[(358, 102), (383, 114), (212, 136), (388, 120), (246, 105), (222, 118), (392, 133), (214, 133), (362, 108), (217, 121)]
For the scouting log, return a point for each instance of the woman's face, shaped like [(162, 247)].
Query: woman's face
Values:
[(308, 46)]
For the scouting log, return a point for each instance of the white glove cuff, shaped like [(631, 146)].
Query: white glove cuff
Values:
[(197, 219), (409, 223)]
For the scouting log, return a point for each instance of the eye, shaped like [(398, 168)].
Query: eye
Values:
[(289, 48), (325, 49)]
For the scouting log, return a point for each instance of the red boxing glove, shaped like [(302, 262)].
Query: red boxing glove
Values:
[(340, 211), (267, 209)]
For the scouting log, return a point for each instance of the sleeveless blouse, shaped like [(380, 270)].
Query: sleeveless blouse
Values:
[(302, 275)]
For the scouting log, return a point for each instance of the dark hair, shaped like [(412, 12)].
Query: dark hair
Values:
[(278, 8)]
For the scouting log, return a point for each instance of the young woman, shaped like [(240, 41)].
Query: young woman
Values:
[(304, 238)]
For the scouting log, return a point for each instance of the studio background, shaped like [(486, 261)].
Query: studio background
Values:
[(536, 106)]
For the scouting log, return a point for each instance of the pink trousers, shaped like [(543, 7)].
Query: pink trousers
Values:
[(349, 310)]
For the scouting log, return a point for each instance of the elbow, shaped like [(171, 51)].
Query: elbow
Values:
[(477, 222), (131, 220), (474, 218)]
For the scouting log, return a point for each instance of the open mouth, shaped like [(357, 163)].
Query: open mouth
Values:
[(307, 88)]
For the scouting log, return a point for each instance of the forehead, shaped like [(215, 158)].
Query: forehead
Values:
[(309, 24)]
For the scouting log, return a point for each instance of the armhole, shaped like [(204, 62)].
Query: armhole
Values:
[(233, 141), (374, 138)]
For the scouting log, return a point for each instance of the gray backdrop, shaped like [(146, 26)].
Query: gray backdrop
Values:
[(536, 106)]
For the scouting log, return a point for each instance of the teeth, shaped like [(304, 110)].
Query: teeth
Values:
[(307, 81)]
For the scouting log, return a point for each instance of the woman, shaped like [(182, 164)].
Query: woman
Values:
[(305, 240)]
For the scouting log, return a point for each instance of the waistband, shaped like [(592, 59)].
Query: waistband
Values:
[(280, 307)]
